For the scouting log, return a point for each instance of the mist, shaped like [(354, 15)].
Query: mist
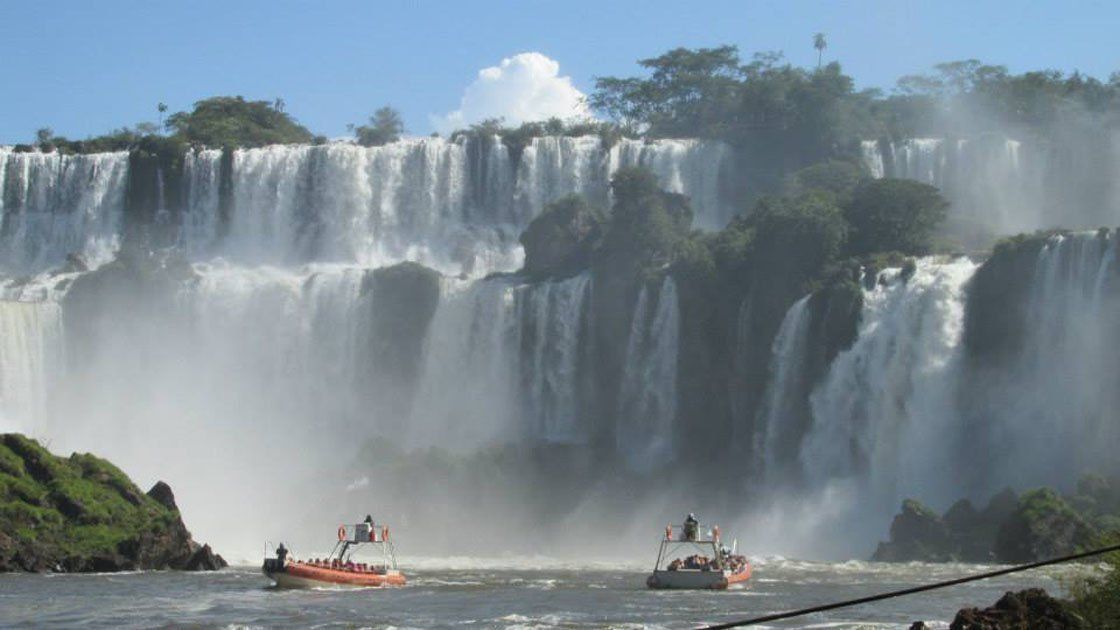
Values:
[(294, 336)]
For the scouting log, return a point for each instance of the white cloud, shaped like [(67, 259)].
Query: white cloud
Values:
[(523, 88)]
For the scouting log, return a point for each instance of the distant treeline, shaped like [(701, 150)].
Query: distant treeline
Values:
[(795, 116)]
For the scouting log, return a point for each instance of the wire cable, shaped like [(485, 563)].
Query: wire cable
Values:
[(910, 591)]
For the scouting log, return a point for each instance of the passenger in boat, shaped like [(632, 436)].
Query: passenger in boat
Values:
[(675, 565), (281, 553), (369, 519), (691, 527)]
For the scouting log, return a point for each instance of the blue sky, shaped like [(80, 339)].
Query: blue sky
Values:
[(86, 67)]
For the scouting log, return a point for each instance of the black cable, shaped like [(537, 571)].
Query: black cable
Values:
[(911, 591)]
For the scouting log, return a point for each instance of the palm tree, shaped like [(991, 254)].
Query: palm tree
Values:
[(162, 108), (820, 44)]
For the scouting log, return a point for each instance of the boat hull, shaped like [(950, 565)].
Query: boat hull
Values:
[(298, 575), (697, 580)]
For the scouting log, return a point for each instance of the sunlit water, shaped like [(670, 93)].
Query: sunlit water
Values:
[(499, 594)]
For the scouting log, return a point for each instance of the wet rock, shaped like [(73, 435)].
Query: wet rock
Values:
[(204, 559), (917, 533), (1031, 608), (560, 241)]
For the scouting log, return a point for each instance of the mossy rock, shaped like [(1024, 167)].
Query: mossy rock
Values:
[(81, 513)]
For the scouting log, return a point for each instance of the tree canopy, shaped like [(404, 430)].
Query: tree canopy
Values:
[(234, 121), (894, 215), (385, 126)]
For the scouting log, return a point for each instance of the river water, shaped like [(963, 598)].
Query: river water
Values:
[(505, 593)]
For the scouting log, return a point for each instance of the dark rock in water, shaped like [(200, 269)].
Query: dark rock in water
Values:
[(204, 559), (1032, 608), (560, 241), (917, 533), (1039, 525), (81, 514), (1042, 526)]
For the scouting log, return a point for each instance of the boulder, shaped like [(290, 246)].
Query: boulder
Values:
[(1032, 608), (561, 240), (917, 533)]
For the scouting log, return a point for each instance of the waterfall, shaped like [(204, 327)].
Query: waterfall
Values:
[(52, 205), (502, 365), (999, 185), (648, 395), (553, 320), (785, 392), (1051, 411), (30, 354), (885, 413)]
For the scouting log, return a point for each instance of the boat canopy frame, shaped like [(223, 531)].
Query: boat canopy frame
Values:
[(361, 534)]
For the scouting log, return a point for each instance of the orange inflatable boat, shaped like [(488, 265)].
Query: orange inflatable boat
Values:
[(342, 567)]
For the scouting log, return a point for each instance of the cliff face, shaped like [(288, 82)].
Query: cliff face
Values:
[(81, 513)]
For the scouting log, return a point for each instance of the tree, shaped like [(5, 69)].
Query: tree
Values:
[(146, 129), (384, 126), (820, 44), (688, 93), (234, 121), (43, 136), (646, 223), (894, 215), (162, 109)]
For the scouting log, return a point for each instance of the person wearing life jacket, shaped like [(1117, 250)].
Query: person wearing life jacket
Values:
[(691, 527)]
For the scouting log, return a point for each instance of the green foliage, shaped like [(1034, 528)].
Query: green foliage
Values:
[(894, 215), (838, 177), (81, 505), (646, 224), (797, 237), (562, 239), (1097, 597), (987, 92), (517, 138), (782, 117), (384, 126), (235, 122)]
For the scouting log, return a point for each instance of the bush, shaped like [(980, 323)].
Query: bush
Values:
[(646, 223), (234, 122), (894, 215), (384, 126), (1097, 598)]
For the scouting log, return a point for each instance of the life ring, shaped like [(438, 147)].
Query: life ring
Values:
[(341, 532)]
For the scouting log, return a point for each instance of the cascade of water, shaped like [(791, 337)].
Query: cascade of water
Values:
[(648, 395), (784, 392), (52, 205), (30, 354), (466, 396), (553, 324), (1059, 396), (885, 412), (689, 167)]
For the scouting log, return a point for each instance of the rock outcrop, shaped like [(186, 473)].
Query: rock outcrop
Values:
[(561, 240), (1038, 525), (82, 514), (1031, 608)]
